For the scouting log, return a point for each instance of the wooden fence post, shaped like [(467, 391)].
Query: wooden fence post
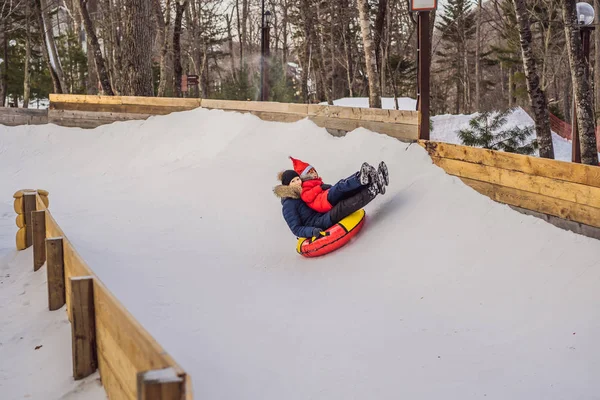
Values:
[(163, 384), (29, 205), (55, 268), (83, 327), (38, 225)]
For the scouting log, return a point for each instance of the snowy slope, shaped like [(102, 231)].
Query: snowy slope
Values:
[(35, 344), (444, 293), (445, 127)]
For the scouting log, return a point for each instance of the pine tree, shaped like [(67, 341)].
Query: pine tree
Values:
[(485, 130), (457, 26)]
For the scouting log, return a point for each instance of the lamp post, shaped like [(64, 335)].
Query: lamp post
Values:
[(585, 18), (422, 8), (264, 53)]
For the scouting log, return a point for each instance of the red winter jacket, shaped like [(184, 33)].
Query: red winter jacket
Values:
[(314, 196)]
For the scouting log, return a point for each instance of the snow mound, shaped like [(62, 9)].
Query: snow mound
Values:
[(443, 294)]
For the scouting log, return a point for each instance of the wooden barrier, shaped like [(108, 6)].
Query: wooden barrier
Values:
[(11, 116), (105, 335), (92, 111), (565, 190)]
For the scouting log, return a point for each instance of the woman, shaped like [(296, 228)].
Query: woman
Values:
[(306, 222)]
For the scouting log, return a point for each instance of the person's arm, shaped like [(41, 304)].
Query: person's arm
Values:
[(292, 217)]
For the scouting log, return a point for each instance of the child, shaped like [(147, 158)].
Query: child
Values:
[(322, 197)]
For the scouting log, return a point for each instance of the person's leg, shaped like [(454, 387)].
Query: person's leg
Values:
[(351, 204), (344, 189)]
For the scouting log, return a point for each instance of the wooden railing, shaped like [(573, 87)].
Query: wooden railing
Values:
[(565, 190), (105, 336), (91, 111)]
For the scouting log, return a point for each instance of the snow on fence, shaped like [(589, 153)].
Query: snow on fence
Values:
[(11, 116), (104, 334), (569, 191), (91, 111)]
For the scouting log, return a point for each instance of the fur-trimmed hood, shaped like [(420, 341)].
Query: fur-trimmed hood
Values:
[(287, 192)]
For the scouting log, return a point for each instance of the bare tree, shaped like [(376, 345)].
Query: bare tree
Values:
[(177, 69), (583, 93), (95, 48), (26, 69), (137, 48), (370, 57), (478, 56), (539, 103)]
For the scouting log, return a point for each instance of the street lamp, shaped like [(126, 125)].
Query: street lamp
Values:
[(585, 18), (423, 8), (264, 53)]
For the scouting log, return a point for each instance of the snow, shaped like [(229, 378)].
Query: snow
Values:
[(35, 344), (445, 127), (443, 294), (162, 375), (387, 103)]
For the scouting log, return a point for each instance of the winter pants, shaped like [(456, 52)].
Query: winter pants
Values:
[(351, 204), (344, 189)]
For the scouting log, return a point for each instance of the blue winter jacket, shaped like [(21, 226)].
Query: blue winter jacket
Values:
[(302, 220)]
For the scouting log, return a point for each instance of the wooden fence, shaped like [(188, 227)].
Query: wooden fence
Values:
[(22, 116), (557, 189), (105, 336), (91, 111)]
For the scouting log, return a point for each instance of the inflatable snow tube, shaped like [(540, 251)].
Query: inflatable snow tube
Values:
[(337, 236)]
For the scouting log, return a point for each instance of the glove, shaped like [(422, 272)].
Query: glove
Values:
[(325, 186), (318, 234)]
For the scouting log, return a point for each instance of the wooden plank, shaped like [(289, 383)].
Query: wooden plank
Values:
[(55, 269), (94, 115), (112, 386), (138, 346), (575, 227), (537, 202), (364, 114), (399, 131), (161, 101), (29, 112), (577, 173), (160, 385), (573, 192), (83, 327), (122, 368), (119, 108), (260, 106), (83, 98), (38, 223), (29, 205), (278, 117)]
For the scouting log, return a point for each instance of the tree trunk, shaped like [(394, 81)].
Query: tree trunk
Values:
[(57, 87), (321, 57), (4, 83), (137, 49), (305, 12), (477, 57), (583, 94), (285, 36), (52, 44), (332, 48), (370, 58), (161, 39), (229, 21), (511, 87), (27, 79), (539, 103), (378, 37), (177, 69), (567, 100), (92, 80), (95, 48), (348, 48), (597, 60)]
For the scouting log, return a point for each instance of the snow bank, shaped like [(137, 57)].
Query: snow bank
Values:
[(445, 127), (35, 344), (443, 294)]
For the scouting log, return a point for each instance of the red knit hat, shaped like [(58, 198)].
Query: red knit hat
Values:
[(300, 166)]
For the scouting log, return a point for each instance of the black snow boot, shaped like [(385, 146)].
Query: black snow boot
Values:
[(365, 173), (383, 169)]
